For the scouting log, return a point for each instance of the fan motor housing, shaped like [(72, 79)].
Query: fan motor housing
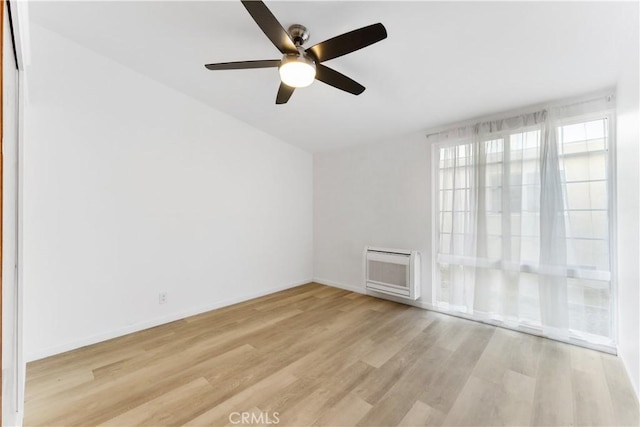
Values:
[(299, 34)]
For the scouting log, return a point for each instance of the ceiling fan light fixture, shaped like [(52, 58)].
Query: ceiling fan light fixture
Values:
[(297, 70), (300, 67)]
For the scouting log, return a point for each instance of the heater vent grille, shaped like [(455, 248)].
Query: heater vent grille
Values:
[(386, 272), (393, 272)]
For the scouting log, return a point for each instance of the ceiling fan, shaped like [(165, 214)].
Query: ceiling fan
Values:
[(299, 67)]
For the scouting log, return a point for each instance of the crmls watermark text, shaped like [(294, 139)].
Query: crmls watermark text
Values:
[(262, 418)]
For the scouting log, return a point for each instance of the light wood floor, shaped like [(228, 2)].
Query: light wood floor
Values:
[(316, 355)]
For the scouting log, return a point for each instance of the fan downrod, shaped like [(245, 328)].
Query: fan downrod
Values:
[(299, 34)]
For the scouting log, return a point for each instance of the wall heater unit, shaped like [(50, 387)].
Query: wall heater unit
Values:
[(393, 272)]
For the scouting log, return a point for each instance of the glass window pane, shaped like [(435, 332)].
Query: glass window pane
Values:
[(595, 129), (493, 249), (530, 250), (493, 200), (588, 254), (446, 200), (585, 167), (586, 195), (574, 133), (446, 179), (590, 306), (529, 301), (461, 200), (458, 244), (587, 224), (494, 223), (445, 243), (446, 222)]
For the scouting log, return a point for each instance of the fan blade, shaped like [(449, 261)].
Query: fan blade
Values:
[(338, 80), (284, 93), (241, 65), (270, 26), (348, 42)]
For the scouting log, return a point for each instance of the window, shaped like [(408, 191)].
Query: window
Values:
[(584, 162), (523, 222)]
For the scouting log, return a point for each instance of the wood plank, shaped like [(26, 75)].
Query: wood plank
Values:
[(422, 414), (484, 402), (163, 409), (376, 385), (247, 398), (591, 399), (399, 399), (347, 412), (553, 400), (444, 387), (626, 410)]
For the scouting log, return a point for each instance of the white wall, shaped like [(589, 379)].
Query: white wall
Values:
[(628, 161), (374, 195), (131, 188)]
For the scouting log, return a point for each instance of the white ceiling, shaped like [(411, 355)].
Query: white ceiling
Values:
[(442, 61)]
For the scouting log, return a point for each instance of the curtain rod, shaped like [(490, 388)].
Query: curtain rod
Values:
[(608, 95)]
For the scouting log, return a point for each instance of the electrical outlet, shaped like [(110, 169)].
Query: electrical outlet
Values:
[(162, 297)]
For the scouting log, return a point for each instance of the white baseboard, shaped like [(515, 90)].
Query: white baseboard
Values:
[(94, 339), (356, 289), (362, 290)]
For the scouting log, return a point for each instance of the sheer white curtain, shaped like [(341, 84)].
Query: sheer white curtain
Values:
[(505, 210)]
